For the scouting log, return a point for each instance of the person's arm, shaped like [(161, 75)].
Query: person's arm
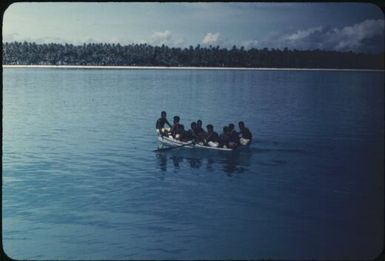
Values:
[(168, 123)]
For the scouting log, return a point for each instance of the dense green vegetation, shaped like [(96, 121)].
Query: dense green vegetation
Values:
[(146, 55)]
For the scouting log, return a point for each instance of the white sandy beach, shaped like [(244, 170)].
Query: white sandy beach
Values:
[(179, 68)]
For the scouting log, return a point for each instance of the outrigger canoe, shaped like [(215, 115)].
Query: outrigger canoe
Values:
[(171, 142)]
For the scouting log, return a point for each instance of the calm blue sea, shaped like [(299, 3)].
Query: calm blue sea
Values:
[(81, 181)]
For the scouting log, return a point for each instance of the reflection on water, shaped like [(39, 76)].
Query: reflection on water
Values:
[(252, 159), (181, 158)]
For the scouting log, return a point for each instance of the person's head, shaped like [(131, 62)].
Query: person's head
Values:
[(199, 123), (225, 129), (231, 127), (193, 125), (210, 128), (176, 119), (163, 114), (241, 124)]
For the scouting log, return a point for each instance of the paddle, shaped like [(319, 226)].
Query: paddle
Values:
[(170, 148)]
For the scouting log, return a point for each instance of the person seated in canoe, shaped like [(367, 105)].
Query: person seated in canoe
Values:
[(177, 130), (200, 132), (181, 133), (224, 137), (160, 129), (245, 136), (234, 138), (191, 133), (211, 138)]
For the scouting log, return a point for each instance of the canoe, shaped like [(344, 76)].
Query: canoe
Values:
[(170, 141)]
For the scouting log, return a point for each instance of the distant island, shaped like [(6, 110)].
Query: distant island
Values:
[(103, 54)]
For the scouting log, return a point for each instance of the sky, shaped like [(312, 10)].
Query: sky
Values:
[(337, 26)]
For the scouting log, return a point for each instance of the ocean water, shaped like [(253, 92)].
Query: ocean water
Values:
[(81, 179)]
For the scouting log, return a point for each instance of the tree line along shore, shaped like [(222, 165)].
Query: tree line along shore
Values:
[(103, 54)]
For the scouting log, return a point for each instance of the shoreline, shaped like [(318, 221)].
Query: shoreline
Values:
[(183, 68)]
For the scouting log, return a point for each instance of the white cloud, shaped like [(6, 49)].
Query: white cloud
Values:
[(360, 35), (167, 38), (367, 28), (367, 36), (161, 37), (211, 38), (301, 34), (179, 42), (250, 44)]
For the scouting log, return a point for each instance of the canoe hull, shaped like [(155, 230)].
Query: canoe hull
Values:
[(168, 141)]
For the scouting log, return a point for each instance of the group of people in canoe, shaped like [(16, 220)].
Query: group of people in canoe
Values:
[(229, 138)]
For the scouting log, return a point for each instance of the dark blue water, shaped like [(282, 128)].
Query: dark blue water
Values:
[(81, 180)]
